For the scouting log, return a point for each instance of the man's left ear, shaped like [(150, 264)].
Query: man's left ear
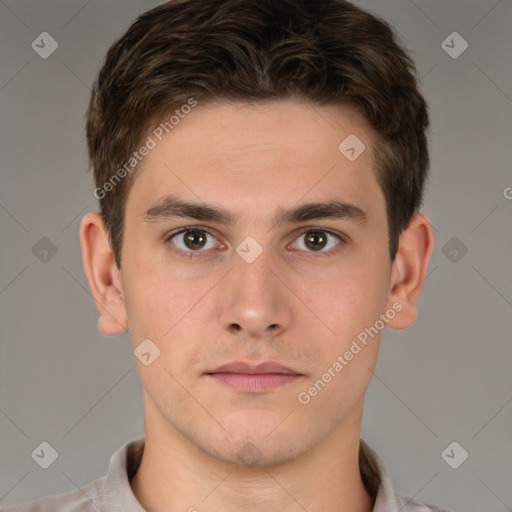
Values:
[(409, 271)]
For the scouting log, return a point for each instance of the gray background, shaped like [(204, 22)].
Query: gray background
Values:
[(445, 379)]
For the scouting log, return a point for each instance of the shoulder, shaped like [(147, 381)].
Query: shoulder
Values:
[(109, 492), (377, 480), (86, 499), (410, 505)]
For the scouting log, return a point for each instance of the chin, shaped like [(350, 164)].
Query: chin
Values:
[(257, 455), (256, 448)]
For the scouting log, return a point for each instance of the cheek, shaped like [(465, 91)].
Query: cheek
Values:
[(161, 310), (154, 290), (351, 304), (351, 299), (346, 358), (168, 307)]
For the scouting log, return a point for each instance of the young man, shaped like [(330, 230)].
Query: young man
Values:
[(260, 167)]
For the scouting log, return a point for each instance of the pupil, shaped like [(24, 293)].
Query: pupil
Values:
[(317, 237), (194, 239)]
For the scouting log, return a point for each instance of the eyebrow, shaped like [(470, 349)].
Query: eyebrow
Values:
[(171, 207)]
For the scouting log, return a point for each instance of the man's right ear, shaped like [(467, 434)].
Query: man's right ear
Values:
[(103, 275)]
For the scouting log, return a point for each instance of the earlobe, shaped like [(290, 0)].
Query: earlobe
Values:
[(103, 275), (410, 270)]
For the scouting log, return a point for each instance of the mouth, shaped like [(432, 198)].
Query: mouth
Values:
[(250, 378)]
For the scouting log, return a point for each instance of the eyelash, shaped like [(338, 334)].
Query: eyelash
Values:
[(195, 254)]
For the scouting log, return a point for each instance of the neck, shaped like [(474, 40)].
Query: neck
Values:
[(175, 474)]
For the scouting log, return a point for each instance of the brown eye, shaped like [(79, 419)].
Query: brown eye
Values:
[(193, 240), (317, 240)]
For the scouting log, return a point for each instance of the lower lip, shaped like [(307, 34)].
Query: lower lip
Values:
[(254, 382)]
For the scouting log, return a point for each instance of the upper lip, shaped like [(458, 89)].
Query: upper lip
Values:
[(254, 369)]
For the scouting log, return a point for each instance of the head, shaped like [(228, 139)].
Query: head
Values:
[(244, 109), (186, 52)]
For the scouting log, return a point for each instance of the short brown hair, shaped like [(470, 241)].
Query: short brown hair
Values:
[(326, 52)]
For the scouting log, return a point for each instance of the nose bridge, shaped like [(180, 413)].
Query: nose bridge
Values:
[(253, 299), (253, 273)]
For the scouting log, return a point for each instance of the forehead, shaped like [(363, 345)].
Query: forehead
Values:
[(250, 155), (236, 128)]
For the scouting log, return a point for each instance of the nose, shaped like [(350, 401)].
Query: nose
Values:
[(254, 301)]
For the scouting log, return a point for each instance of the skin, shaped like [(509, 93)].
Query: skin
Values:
[(296, 304)]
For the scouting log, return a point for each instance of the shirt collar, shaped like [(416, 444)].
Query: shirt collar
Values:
[(377, 480), (126, 460)]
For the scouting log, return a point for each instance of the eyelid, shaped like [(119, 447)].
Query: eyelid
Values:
[(339, 236), (184, 229)]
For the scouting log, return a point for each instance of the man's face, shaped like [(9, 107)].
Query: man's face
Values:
[(208, 297)]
